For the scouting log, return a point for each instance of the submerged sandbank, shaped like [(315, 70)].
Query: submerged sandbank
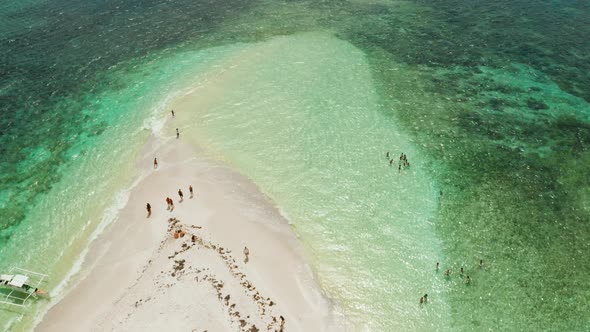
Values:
[(301, 116)]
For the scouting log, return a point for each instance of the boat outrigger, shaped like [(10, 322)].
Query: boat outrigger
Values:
[(20, 285)]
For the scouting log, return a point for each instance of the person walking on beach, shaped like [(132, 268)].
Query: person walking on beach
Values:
[(149, 209), (177, 133), (172, 111), (168, 203), (171, 204), (190, 190), (246, 253), (155, 162), (181, 195)]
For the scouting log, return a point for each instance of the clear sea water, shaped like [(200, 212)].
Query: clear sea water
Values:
[(489, 100)]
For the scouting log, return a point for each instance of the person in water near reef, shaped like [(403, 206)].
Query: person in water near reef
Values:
[(468, 280), (481, 263), (461, 270), (425, 298), (149, 209), (421, 300), (391, 162), (155, 162), (437, 266), (190, 190)]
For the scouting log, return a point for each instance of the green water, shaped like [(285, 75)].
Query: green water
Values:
[(489, 100), (305, 124), (95, 174)]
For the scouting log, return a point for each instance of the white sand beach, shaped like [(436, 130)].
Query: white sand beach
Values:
[(138, 277)]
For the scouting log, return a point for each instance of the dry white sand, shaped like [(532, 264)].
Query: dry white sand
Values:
[(138, 277)]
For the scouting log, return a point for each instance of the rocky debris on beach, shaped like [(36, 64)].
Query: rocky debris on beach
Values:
[(180, 269)]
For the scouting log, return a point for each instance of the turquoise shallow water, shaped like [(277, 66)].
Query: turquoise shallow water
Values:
[(306, 126), (489, 101)]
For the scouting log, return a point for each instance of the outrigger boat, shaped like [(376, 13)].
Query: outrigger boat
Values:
[(20, 285)]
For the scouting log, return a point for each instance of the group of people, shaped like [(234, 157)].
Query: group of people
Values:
[(170, 202), (403, 161), (467, 278), (424, 299), (461, 272)]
